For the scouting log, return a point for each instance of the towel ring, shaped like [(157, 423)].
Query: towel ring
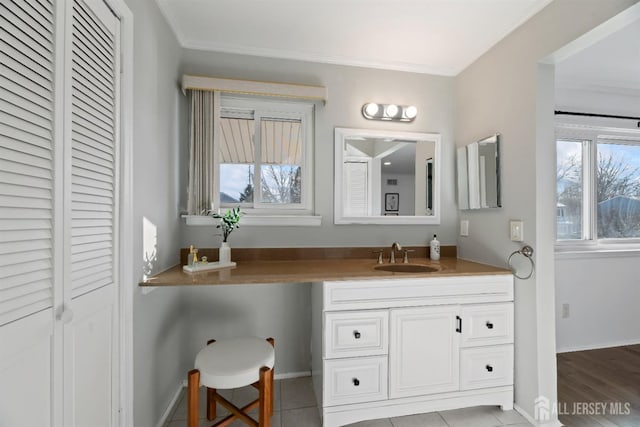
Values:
[(527, 252)]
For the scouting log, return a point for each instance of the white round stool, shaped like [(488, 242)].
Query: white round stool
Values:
[(233, 363)]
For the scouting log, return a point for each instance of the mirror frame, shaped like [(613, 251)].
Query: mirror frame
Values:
[(342, 134)]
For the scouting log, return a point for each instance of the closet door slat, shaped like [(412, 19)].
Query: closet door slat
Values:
[(26, 158), (93, 153)]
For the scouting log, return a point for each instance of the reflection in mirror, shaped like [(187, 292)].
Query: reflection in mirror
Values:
[(386, 177), (479, 174)]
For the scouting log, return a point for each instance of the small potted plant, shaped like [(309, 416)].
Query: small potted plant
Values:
[(228, 222)]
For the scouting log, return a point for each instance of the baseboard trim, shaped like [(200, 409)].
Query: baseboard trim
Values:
[(289, 375), (172, 404), (598, 346), (551, 423)]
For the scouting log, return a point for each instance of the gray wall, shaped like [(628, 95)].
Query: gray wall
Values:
[(603, 102), (603, 312), (349, 88), (158, 322), (281, 311), (508, 90)]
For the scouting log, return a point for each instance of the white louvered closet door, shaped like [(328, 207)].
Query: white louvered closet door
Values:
[(91, 212), (27, 160), (59, 194)]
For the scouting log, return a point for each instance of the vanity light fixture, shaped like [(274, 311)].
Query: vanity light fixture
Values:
[(394, 112)]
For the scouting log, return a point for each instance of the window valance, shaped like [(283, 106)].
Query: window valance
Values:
[(252, 87)]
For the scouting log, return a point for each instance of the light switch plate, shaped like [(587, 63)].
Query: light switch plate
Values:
[(516, 230), (464, 228)]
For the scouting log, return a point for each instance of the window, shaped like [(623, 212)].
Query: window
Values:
[(570, 188), (265, 156), (598, 184)]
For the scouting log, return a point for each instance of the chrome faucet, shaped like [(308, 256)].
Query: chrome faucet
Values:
[(394, 247)]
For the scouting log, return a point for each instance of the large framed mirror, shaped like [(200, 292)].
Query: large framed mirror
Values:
[(479, 174), (386, 177)]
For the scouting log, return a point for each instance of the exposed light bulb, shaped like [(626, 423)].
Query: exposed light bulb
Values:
[(371, 109), (410, 112), (391, 110), (387, 163)]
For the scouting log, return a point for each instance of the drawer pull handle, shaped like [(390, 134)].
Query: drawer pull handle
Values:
[(489, 325), (458, 324), (356, 334), (356, 382), (489, 368)]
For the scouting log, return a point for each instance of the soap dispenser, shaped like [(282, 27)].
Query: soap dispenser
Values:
[(190, 256), (435, 249)]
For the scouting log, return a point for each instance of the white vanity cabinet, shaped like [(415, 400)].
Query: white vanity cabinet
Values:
[(392, 347)]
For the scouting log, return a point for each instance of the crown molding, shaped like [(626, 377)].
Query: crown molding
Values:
[(319, 58)]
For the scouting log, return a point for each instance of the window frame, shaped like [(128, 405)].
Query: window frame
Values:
[(268, 108), (590, 135)]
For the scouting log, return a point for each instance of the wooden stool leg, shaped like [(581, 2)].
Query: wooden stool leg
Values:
[(211, 403), (193, 384), (265, 397), (273, 344)]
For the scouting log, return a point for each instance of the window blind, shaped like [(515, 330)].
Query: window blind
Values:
[(26, 157)]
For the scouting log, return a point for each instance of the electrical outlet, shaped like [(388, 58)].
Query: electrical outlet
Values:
[(516, 231), (464, 228), (565, 311)]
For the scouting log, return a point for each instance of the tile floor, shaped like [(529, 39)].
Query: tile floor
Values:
[(295, 406)]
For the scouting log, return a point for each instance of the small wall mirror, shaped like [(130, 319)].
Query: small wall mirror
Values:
[(479, 174), (386, 177)]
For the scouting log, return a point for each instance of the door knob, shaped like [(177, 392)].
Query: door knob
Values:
[(65, 315)]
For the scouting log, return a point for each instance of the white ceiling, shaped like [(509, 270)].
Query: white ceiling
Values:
[(427, 36), (609, 65)]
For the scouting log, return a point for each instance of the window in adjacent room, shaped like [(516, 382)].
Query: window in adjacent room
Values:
[(265, 155), (598, 185)]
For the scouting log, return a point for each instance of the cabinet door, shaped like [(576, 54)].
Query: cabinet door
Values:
[(424, 351)]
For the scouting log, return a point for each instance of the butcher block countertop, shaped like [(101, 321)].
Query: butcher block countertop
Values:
[(302, 265)]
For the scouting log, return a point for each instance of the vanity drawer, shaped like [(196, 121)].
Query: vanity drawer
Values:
[(355, 380), (482, 367), (487, 324), (356, 333), (415, 292)]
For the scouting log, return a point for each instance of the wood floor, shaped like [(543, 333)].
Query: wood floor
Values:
[(610, 376)]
